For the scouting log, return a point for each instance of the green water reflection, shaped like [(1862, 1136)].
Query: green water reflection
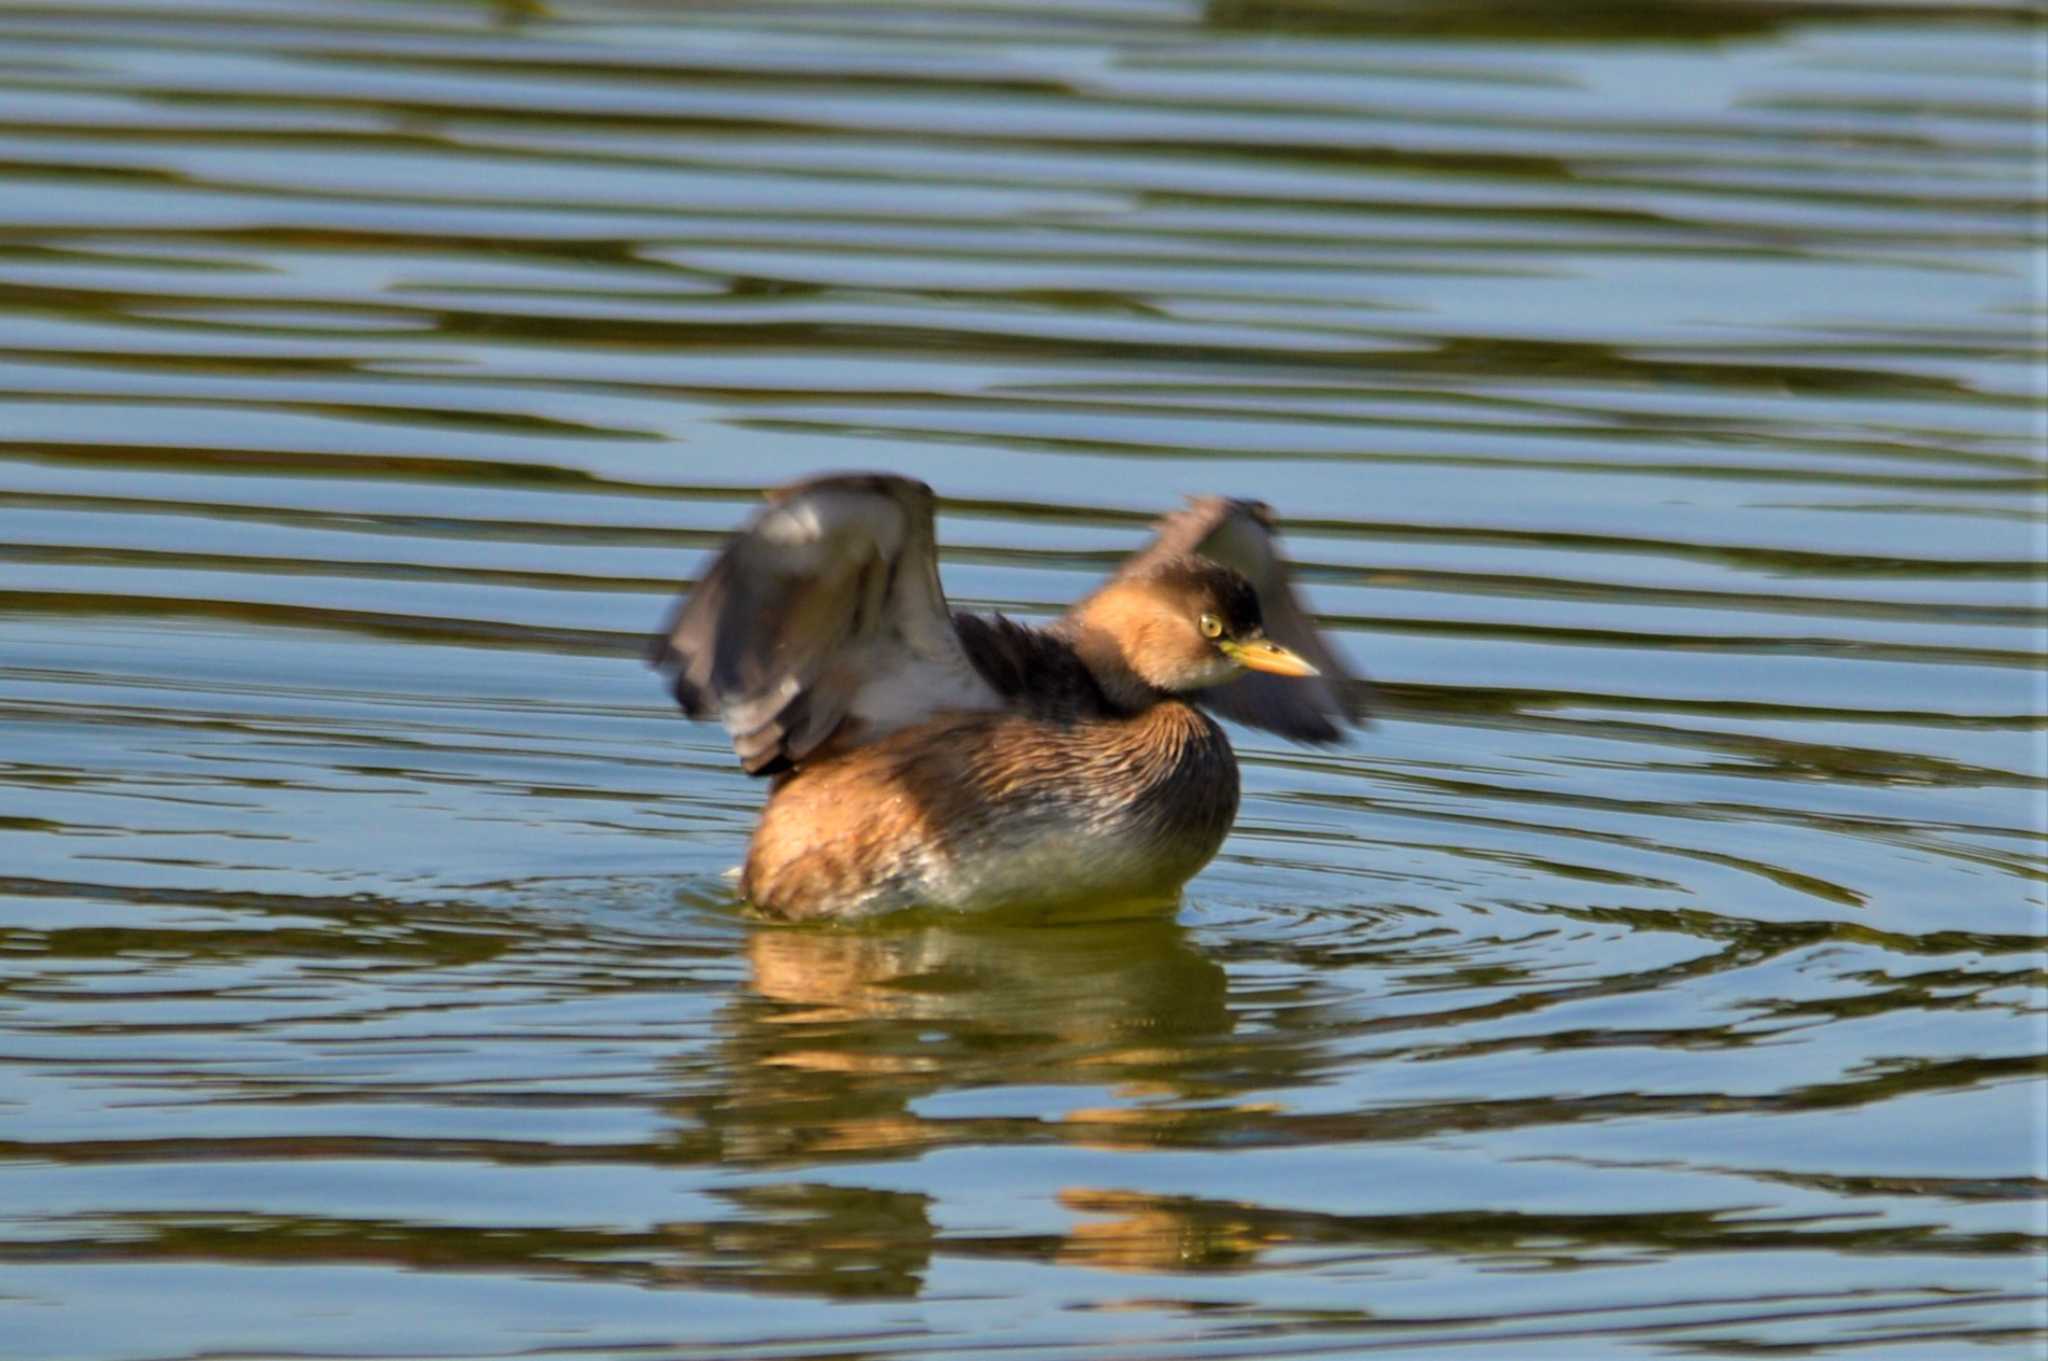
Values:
[(1652, 398)]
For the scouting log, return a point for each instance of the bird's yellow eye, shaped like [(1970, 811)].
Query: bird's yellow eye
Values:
[(1212, 627)]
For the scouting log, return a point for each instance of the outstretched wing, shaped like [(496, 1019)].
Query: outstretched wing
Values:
[(1241, 535), (825, 611)]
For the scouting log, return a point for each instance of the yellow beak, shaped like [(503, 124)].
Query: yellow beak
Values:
[(1263, 654)]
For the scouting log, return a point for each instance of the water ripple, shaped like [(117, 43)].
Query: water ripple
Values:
[(1653, 403)]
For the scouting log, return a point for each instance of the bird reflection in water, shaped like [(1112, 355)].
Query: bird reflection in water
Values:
[(843, 1032), (854, 1046)]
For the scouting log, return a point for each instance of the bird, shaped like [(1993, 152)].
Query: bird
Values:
[(919, 757)]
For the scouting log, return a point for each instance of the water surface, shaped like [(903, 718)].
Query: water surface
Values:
[(1655, 406)]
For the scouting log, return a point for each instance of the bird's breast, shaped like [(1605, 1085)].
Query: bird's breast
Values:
[(980, 811)]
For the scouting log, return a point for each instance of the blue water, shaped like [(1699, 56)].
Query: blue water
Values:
[(1653, 403)]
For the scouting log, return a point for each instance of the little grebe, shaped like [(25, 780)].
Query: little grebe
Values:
[(926, 758)]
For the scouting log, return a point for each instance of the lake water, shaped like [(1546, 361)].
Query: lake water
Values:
[(1653, 397)]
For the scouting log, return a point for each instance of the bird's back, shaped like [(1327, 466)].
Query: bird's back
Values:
[(1034, 669)]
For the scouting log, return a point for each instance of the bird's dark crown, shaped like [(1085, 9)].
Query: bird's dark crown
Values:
[(1198, 586)]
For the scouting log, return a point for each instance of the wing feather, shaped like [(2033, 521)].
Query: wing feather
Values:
[(824, 610)]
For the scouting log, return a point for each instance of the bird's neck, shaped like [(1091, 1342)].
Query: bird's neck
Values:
[(1104, 636)]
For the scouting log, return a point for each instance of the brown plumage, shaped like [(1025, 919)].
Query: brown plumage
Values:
[(926, 758)]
